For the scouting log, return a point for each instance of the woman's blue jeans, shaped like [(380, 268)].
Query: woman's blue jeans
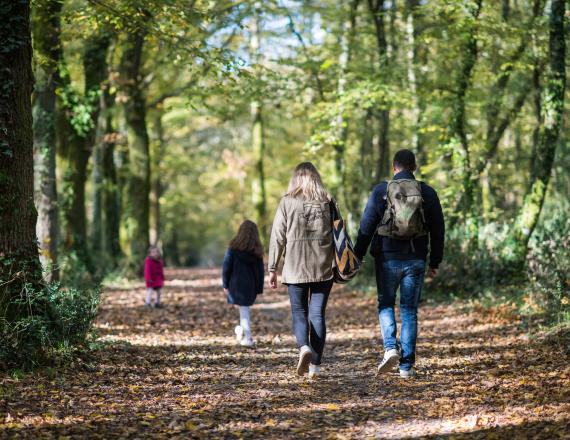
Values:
[(408, 275), (308, 304)]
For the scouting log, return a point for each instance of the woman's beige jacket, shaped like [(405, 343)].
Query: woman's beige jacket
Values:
[(302, 234)]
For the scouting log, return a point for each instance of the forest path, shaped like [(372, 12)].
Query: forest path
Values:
[(177, 373)]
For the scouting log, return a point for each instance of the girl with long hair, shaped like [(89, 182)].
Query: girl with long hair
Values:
[(302, 233), (242, 276)]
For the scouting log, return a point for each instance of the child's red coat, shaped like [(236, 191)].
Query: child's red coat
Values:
[(153, 273)]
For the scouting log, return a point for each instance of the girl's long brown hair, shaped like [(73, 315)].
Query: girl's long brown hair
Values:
[(247, 239)]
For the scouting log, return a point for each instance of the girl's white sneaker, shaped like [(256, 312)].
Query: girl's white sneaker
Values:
[(408, 374), (239, 333), (247, 342), (314, 371)]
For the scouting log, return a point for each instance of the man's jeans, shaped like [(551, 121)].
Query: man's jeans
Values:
[(408, 275)]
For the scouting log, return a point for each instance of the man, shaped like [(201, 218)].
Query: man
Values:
[(402, 219)]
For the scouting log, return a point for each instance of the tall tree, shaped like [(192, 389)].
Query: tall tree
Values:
[(258, 137), (136, 204), (77, 138), (110, 186), (46, 32), (157, 181), (458, 118), (19, 260), (341, 123), (378, 11), (411, 67), (552, 113)]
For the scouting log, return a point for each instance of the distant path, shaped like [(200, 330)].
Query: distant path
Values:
[(177, 373)]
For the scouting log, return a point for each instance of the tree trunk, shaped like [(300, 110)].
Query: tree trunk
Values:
[(76, 144), (110, 186), (97, 217), (411, 34), (98, 80), (378, 12), (346, 43), (19, 259), (47, 46), (551, 125), (458, 117), (258, 145), (157, 185), (136, 205)]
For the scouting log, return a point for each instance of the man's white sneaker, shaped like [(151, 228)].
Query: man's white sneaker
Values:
[(314, 371), (239, 333), (407, 374), (247, 342), (305, 354), (390, 360)]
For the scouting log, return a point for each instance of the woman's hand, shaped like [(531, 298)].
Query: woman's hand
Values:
[(273, 280)]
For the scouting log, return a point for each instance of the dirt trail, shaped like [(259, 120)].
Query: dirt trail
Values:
[(177, 373)]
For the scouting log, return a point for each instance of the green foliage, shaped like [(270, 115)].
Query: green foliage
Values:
[(80, 108), (73, 270), (52, 321), (471, 270), (549, 267)]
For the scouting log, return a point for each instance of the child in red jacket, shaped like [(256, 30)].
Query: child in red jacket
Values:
[(153, 276)]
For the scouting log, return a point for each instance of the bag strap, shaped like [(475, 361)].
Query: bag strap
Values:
[(335, 211)]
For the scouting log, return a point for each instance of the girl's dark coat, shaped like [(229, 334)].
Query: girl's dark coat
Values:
[(242, 275)]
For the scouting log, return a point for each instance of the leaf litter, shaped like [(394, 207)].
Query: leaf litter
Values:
[(177, 373)]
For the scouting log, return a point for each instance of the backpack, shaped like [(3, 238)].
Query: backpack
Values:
[(404, 216), (345, 265)]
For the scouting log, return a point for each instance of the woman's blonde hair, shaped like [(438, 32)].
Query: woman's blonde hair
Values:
[(306, 184)]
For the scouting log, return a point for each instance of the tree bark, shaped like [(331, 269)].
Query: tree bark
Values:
[(46, 32), (136, 205), (110, 186), (411, 35), (341, 124), (552, 113), (378, 12), (97, 81), (19, 259), (458, 122), (259, 196), (76, 145), (157, 185)]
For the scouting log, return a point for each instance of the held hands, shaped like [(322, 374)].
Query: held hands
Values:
[(432, 273), (273, 280)]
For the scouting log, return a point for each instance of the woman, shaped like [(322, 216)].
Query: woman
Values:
[(302, 232)]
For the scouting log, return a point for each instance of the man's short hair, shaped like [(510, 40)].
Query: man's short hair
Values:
[(405, 160)]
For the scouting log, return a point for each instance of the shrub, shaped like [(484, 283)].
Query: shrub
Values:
[(472, 268), (549, 267), (48, 323)]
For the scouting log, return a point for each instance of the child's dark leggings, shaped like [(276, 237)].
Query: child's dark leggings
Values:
[(308, 304)]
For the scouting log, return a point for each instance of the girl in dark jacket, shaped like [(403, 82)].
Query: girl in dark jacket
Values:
[(243, 275)]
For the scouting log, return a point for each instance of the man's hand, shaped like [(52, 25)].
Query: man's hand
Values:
[(226, 291), (432, 272), (273, 280)]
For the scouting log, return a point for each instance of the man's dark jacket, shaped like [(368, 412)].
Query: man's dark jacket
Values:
[(386, 248)]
